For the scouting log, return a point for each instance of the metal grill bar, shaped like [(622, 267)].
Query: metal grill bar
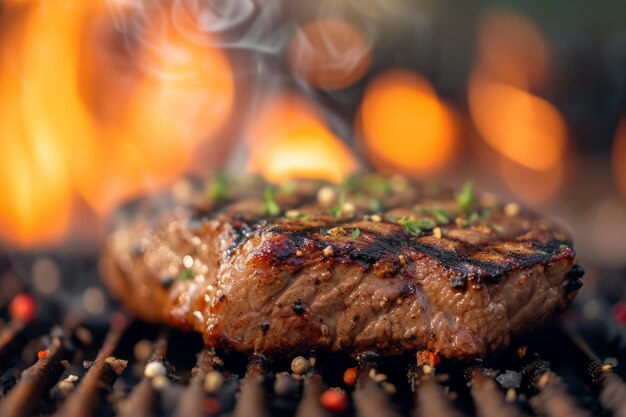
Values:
[(142, 400), (488, 398), (432, 400), (104, 371), (10, 339), (252, 401), (310, 405), (547, 393), (551, 396), (369, 398), (35, 381), (190, 402)]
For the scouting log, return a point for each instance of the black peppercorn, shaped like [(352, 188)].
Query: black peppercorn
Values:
[(298, 307)]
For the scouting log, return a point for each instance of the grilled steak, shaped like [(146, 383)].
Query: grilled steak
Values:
[(377, 264)]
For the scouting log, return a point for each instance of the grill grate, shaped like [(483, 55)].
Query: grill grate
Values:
[(227, 384)]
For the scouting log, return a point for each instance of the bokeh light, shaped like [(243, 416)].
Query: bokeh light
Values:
[(521, 126), (288, 139), (403, 124), (512, 48), (329, 53)]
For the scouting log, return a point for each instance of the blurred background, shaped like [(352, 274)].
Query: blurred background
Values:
[(102, 101)]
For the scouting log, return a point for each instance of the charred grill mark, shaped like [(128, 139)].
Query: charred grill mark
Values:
[(458, 282), (376, 249), (381, 250), (242, 230)]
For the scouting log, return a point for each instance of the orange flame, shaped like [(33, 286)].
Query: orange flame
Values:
[(329, 53), (183, 96), (56, 145), (404, 125), (519, 125), (288, 139), (527, 131)]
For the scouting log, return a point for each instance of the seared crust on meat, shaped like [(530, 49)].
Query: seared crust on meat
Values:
[(373, 265)]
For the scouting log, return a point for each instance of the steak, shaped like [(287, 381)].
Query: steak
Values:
[(377, 264)]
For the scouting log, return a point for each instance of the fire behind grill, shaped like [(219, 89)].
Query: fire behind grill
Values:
[(141, 370)]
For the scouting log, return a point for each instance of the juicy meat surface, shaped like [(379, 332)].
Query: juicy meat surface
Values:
[(387, 265)]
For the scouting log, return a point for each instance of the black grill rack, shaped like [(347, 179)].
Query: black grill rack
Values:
[(552, 373)]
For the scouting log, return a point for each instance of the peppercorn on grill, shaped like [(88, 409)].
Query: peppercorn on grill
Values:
[(136, 369)]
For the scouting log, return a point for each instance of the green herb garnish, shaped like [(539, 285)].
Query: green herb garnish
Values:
[(473, 216), (356, 233), (377, 183), (288, 188), (465, 197), (485, 213), (441, 216), (391, 217), (409, 225), (270, 205), (185, 275), (426, 224), (499, 229), (338, 209), (376, 205), (218, 188)]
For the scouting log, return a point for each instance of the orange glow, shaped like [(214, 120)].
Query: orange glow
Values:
[(530, 186), (57, 146), (329, 53), (40, 117), (288, 139), (521, 126), (619, 156), (404, 125), (184, 96), (512, 48)]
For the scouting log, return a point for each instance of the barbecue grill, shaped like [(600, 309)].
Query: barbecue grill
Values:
[(286, 81), (130, 368)]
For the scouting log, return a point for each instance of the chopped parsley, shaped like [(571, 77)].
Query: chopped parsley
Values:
[(376, 205), (473, 216), (441, 216), (409, 225), (391, 217), (465, 197), (426, 224), (218, 188), (356, 233), (338, 209), (288, 188), (499, 229), (270, 205), (373, 183), (185, 275), (486, 213)]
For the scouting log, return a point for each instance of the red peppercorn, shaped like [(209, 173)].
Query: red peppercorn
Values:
[(335, 400), (619, 313), (42, 354), (350, 376), (23, 308), (211, 405)]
